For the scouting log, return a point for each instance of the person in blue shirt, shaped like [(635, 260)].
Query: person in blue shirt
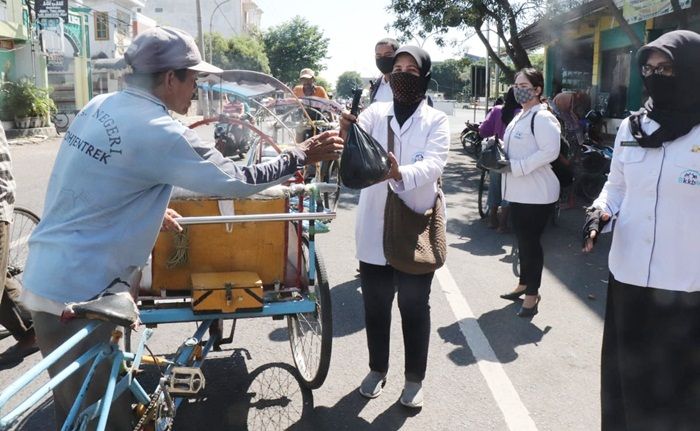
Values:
[(110, 187)]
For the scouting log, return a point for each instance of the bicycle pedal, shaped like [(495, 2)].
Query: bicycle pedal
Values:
[(185, 382)]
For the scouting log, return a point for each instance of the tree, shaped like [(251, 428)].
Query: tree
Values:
[(294, 45), (437, 16), (238, 52), (449, 77), (347, 82)]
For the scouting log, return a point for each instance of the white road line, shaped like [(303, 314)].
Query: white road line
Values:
[(514, 411)]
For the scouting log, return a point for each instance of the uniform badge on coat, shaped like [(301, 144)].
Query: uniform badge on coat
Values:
[(418, 157), (690, 177), (695, 149)]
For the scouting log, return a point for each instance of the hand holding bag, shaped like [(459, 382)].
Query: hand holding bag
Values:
[(492, 154), (414, 243)]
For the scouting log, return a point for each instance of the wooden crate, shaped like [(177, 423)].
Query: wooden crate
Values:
[(259, 247), (226, 292)]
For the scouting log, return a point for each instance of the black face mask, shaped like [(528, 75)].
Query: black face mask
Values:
[(407, 88), (662, 90), (385, 64)]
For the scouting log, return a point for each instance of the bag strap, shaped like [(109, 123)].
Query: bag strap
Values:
[(390, 135), (532, 123)]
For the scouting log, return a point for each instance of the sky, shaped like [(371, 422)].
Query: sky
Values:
[(353, 28)]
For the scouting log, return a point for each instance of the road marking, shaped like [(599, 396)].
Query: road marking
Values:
[(515, 413)]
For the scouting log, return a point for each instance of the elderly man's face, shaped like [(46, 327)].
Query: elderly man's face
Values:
[(179, 93)]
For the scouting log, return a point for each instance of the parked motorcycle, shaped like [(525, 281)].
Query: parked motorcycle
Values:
[(470, 139), (231, 138)]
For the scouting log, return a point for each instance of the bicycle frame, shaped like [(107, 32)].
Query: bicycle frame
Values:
[(185, 356)]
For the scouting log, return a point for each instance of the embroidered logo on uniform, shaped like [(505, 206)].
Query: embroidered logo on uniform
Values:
[(418, 157), (518, 134), (690, 177), (695, 149)]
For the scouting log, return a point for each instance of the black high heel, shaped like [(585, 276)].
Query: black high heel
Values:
[(513, 296), (529, 312)]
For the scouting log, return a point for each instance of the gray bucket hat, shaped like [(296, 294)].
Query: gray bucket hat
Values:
[(166, 48)]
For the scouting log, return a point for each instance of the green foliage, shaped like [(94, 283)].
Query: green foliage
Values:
[(347, 82), (238, 52), (294, 45), (426, 18), (537, 61), (323, 82), (451, 76), (24, 99)]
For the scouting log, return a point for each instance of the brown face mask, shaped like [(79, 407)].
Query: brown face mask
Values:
[(407, 88)]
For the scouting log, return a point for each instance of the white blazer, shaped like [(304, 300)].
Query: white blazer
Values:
[(654, 193), (531, 179), (421, 146)]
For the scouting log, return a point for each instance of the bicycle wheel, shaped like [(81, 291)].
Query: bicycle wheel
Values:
[(61, 121), (331, 176), (483, 193), (21, 228), (311, 334)]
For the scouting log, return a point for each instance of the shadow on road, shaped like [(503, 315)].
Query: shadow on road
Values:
[(346, 412), (512, 333), (268, 398), (39, 418)]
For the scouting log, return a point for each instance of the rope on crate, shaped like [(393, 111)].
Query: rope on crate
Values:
[(181, 242)]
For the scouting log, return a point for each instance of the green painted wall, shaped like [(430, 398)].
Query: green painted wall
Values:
[(616, 38)]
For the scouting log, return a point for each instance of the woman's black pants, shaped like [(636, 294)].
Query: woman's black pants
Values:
[(529, 221), (379, 284), (650, 366)]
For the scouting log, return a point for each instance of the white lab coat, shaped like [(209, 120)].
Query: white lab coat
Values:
[(654, 193), (531, 179), (421, 146)]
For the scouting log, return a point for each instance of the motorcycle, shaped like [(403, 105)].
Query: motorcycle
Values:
[(231, 138), (470, 139), (595, 164)]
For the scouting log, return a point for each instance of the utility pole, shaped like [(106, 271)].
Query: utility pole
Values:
[(488, 70), (200, 33)]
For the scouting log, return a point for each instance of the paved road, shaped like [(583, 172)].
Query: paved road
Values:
[(488, 369)]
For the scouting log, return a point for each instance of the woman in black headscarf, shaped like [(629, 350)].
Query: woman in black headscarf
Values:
[(421, 139), (651, 341)]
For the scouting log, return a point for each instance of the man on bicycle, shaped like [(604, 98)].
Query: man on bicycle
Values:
[(110, 187)]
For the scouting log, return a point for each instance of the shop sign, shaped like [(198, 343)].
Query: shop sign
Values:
[(51, 9), (642, 10)]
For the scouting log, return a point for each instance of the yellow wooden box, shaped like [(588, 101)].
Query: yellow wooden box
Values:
[(259, 247), (226, 292)]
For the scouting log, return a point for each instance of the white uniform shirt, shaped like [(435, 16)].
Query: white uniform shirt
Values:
[(421, 146), (655, 195), (531, 179), (384, 93)]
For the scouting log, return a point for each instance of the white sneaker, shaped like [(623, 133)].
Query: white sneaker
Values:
[(412, 395), (373, 384)]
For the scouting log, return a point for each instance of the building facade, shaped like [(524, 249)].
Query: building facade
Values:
[(587, 50), (227, 17)]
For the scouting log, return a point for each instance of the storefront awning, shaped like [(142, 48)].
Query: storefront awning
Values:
[(550, 28)]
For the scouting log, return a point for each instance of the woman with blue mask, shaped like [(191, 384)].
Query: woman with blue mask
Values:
[(531, 142), (421, 141)]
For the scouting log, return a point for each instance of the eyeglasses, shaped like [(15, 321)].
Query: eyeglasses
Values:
[(664, 69)]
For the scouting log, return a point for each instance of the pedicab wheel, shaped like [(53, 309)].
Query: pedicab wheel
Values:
[(311, 334), (331, 176), (483, 193)]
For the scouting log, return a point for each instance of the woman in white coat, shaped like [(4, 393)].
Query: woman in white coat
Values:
[(421, 144), (531, 143), (650, 364)]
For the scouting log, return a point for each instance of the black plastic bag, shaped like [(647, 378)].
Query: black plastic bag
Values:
[(364, 162), (492, 154)]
